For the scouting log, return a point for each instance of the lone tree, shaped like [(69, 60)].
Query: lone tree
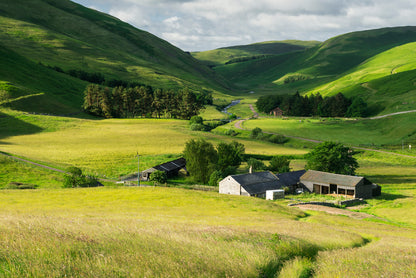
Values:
[(333, 158), (201, 158)]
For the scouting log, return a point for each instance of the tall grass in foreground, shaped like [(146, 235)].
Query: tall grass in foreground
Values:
[(154, 232)]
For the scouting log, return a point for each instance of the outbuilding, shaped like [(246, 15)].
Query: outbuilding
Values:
[(171, 169), (328, 183)]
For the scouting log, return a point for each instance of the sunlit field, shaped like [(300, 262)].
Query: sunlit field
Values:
[(108, 147), (165, 232)]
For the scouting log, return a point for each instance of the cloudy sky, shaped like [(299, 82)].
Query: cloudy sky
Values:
[(196, 25)]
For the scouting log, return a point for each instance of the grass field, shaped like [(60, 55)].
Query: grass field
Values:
[(137, 232), (387, 131), (107, 147)]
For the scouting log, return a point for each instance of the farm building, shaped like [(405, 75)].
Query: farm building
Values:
[(277, 112), (328, 183), (172, 168), (256, 184)]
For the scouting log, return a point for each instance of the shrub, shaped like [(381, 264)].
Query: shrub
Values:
[(277, 139), (256, 132), (158, 177), (215, 178), (197, 127), (75, 178)]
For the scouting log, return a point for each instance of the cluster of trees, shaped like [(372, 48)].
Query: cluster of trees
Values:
[(314, 105), (130, 102), (205, 163), (209, 164)]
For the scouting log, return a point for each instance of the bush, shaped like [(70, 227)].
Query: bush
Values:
[(196, 120), (197, 127), (277, 139), (215, 178), (158, 177), (74, 178), (256, 133)]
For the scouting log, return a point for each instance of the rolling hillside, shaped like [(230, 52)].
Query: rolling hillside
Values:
[(233, 54), (348, 63), (45, 34)]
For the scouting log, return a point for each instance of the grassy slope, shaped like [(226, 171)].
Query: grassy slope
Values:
[(387, 131), (347, 61), (222, 55), (106, 147), (65, 34), (176, 233)]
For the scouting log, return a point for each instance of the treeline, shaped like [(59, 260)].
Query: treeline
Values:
[(143, 101), (314, 105)]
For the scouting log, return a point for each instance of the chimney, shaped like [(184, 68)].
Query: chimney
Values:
[(251, 170)]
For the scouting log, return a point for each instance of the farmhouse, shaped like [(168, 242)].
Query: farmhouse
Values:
[(277, 112), (257, 184), (171, 168), (328, 183)]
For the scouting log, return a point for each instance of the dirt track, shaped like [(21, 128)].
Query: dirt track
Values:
[(338, 211)]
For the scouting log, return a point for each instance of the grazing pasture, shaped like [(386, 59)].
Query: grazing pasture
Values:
[(386, 131), (107, 147)]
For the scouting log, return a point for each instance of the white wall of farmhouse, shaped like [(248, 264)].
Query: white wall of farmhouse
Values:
[(229, 186)]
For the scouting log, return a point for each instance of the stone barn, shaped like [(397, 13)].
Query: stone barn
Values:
[(328, 183), (251, 184)]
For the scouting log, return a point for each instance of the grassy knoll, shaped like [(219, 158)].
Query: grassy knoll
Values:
[(107, 147), (386, 131)]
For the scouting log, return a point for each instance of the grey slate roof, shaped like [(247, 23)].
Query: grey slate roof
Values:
[(169, 166), (330, 178), (258, 182), (290, 178)]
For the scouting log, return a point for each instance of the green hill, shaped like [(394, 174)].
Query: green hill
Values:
[(64, 35), (240, 53), (341, 64)]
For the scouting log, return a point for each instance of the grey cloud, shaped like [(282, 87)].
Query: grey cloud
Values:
[(202, 25)]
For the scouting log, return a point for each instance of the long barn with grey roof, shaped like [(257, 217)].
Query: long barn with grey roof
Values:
[(329, 183)]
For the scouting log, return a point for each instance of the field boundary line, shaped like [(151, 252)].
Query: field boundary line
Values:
[(44, 166)]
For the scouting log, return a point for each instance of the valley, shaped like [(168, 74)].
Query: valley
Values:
[(183, 228)]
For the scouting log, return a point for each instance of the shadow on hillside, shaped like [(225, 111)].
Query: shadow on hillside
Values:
[(11, 126), (390, 196), (393, 179)]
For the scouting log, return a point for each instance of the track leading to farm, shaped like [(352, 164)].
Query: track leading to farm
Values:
[(239, 125)]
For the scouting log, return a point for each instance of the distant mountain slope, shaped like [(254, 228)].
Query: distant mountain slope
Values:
[(225, 55), (340, 64), (60, 33)]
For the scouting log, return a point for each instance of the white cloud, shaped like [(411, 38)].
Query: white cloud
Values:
[(202, 25)]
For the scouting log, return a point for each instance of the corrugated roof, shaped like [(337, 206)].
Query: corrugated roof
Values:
[(330, 178)]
